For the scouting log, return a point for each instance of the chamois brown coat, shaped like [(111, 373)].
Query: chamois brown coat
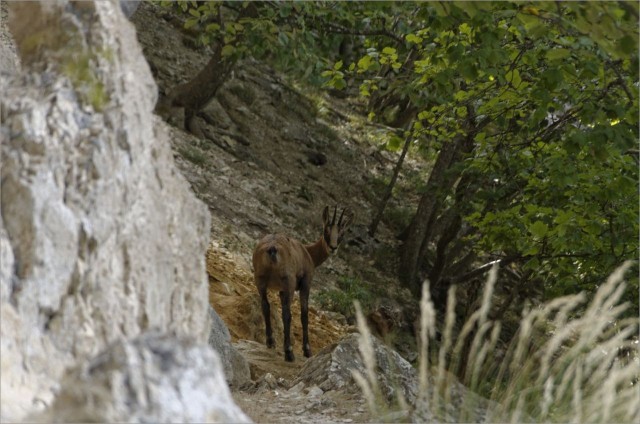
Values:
[(285, 265)]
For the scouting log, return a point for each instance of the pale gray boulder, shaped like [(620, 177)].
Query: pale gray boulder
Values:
[(101, 238), (331, 369), (154, 378), (236, 367)]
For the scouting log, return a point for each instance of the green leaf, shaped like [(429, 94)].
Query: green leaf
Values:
[(412, 38), (461, 96), (551, 78), (228, 50), (533, 25), (283, 39), (557, 54), (513, 77), (364, 63), (538, 229), (628, 45), (468, 70), (394, 143), (212, 27), (465, 29), (190, 23), (194, 12), (338, 65), (389, 51)]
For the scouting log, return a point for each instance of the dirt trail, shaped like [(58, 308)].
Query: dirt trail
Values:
[(302, 406)]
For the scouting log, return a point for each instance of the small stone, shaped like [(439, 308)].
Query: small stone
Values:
[(227, 289), (297, 388), (315, 391)]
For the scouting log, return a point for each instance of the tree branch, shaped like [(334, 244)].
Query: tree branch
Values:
[(482, 269), (338, 29)]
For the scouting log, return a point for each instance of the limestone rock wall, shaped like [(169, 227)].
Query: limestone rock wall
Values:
[(101, 238), (154, 378)]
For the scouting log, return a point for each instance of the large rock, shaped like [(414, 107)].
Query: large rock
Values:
[(154, 378), (331, 369), (236, 367), (101, 237), (9, 62)]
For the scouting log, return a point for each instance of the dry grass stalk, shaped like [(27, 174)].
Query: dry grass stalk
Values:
[(369, 385), (445, 347), (427, 331), (573, 376)]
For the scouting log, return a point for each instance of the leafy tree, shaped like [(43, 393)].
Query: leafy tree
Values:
[(532, 109), (299, 38), (528, 112)]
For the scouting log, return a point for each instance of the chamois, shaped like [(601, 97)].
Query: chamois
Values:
[(284, 264)]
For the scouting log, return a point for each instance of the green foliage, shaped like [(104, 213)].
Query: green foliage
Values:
[(398, 218), (550, 91), (348, 290), (193, 155)]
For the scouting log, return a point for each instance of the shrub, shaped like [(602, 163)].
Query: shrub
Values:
[(342, 299), (193, 155)]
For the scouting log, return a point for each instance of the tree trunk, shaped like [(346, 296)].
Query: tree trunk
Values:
[(441, 181), (194, 95), (419, 225), (448, 226), (389, 191)]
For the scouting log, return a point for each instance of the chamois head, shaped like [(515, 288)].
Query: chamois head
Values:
[(334, 230)]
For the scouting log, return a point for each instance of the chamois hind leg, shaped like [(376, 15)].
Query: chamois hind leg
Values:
[(304, 315), (266, 313), (285, 299)]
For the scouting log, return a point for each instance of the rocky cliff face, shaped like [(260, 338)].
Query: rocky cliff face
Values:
[(101, 238)]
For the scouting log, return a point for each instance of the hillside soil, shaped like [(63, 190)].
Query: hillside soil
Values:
[(268, 159)]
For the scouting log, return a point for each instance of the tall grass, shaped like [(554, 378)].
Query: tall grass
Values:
[(563, 365)]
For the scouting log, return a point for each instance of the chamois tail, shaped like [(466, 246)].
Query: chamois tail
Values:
[(273, 254)]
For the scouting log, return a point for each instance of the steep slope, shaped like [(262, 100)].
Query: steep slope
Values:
[(269, 161)]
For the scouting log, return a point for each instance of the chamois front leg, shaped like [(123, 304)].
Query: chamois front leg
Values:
[(285, 299), (266, 313), (304, 315)]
